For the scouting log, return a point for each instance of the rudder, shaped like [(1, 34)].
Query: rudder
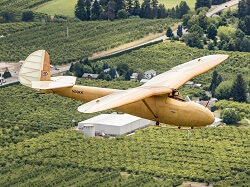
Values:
[(35, 68)]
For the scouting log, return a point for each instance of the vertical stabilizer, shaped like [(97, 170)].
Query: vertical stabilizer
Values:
[(35, 68)]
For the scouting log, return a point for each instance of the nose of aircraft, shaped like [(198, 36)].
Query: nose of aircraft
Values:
[(210, 117)]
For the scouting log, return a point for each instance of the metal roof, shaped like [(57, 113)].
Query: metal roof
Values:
[(111, 119)]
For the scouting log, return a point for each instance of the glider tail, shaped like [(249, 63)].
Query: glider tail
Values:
[(35, 73)]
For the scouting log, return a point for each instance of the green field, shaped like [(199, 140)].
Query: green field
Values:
[(58, 7), (67, 7), (153, 156), (85, 38), (173, 3), (163, 56)]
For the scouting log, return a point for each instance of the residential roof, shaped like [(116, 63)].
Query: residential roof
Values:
[(90, 75), (189, 83), (111, 119), (150, 71), (144, 80)]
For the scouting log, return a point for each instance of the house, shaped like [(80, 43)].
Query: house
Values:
[(90, 76), (144, 80), (209, 103), (134, 76), (217, 122), (189, 84), (197, 85), (150, 74), (107, 71)]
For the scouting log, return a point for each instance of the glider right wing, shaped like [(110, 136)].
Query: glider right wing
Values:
[(159, 85)]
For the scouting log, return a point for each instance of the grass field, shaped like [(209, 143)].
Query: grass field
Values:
[(66, 7), (59, 7)]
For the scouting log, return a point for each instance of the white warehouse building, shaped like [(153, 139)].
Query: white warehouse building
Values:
[(114, 124)]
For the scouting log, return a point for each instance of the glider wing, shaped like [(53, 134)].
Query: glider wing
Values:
[(159, 85)]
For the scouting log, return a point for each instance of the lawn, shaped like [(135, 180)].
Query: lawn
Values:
[(59, 7), (66, 7)]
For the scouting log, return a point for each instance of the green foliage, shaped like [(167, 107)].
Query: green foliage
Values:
[(224, 90), (230, 116), (193, 40), (179, 31), (202, 3), (65, 158), (212, 32), (226, 33), (122, 14), (242, 108), (98, 36), (28, 16), (169, 32), (163, 56), (197, 30), (216, 80), (21, 4), (35, 114), (239, 89)]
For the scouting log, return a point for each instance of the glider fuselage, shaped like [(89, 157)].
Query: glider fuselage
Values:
[(158, 108)]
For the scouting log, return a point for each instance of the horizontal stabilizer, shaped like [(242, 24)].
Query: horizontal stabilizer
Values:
[(122, 98), (56, 82)]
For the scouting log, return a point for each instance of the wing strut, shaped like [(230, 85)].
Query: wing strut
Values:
[(148, 107)]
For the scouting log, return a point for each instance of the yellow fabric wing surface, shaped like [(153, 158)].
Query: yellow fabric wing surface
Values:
[(159, 85)]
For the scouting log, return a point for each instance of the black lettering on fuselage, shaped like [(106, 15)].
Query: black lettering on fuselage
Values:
[(77, 92)]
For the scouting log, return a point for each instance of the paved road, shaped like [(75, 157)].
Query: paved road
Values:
[(222, 7)]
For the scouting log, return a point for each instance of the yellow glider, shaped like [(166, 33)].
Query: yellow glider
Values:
[(154, 100)]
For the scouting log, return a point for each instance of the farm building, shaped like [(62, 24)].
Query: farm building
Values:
[(114, 124)]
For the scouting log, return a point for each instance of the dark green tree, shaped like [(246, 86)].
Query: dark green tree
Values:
[(129, 7), (239, 89), (202, 3), (216, 80), (193, 40), (71, 68), (137, 8), (8, 16), (122, 68), (28, 16), (95, 10), (154, 8), (161, 13), (119, 5), (111, 10), (122, 14), (242, 9), (146, 10), (169, 32), (105, 66), (88, 10), (183, 9), (245, 45), (179, 31), (212, 32), (87, 62), (112, 73), (80, 10)]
